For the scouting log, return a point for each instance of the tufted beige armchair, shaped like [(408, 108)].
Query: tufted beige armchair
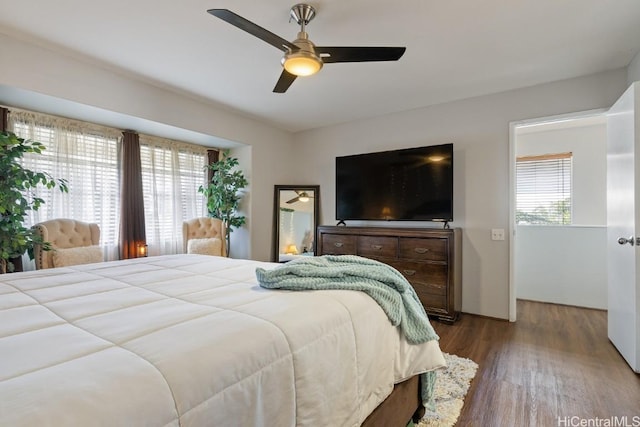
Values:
[(65, 234), (204, 236)]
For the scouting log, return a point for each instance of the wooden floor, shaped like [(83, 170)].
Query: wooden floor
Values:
[(554, 362)]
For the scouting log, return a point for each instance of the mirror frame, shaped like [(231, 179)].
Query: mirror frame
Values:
[(276, 214)]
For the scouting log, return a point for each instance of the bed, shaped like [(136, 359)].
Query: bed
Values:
[(192, 340)]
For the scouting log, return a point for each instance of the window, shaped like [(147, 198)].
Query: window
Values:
[(172, 172), (87, 157), (543, 189)]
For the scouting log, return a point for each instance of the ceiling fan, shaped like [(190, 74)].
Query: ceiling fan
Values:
[(303, 197), (302, 57)]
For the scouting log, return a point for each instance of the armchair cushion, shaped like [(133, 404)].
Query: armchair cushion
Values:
[(204, 228), (76, 256), (208, 246)]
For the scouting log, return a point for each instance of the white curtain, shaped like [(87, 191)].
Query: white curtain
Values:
[(172, 172), (85, 155)]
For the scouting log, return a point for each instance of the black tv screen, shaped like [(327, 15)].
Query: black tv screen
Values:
[(414, 184)]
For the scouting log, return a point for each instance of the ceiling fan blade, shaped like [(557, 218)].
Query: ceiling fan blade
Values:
[(359, 54), (253, 29), (285, 80), (295, 199)]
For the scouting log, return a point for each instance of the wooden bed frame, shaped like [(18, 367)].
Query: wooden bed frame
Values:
[(403, 405)]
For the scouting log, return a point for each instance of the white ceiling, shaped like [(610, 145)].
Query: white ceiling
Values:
[(455, 49)]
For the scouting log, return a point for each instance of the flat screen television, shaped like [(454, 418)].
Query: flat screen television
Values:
[(413, 184)]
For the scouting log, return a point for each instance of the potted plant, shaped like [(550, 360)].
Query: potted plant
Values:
[(16, 198), (224, 193)]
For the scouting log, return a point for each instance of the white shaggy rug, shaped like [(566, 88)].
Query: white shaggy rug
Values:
[(451, 388)]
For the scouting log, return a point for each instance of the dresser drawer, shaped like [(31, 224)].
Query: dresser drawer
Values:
[(437, 303), (338, 244), (423, 249), (378, 246), (428, 278)]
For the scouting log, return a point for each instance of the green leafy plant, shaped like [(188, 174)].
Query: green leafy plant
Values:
[(17, 199), (554, 213), (224, 193)]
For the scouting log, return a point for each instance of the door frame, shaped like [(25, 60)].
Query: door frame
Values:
[(512, 187)]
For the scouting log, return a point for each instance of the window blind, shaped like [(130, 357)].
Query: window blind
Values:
[(543, 189), (172, 172), (86, 156)]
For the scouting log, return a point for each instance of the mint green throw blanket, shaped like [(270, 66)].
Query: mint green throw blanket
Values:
[(387, 286)]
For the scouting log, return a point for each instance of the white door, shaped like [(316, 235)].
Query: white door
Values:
[(623, 183)]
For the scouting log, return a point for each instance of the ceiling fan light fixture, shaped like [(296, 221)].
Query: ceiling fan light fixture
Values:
[(304, 197), (301, 63)]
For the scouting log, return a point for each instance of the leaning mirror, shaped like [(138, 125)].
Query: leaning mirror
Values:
[(295, 218)]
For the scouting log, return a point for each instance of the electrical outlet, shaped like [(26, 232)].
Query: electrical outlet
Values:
[(497, 234)]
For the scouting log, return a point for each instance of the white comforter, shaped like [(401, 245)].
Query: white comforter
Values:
[(192, 340)]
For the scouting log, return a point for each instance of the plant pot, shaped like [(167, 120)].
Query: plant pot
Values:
[(17, 265)]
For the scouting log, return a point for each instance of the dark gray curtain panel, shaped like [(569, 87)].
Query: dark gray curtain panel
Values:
[(132, 225)]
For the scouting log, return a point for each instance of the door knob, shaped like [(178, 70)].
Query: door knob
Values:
[(624, 240)]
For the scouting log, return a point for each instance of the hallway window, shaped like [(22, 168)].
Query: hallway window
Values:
[(543, 189)]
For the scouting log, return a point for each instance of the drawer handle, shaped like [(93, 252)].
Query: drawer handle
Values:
[(376, 247), (409, 272), (421, 250), (338, 244)]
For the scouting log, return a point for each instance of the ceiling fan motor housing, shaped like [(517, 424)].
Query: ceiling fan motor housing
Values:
[(306, 53), (304, 61)]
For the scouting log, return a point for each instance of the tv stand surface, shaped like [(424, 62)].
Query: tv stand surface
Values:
[(445, 224), (430, 259)]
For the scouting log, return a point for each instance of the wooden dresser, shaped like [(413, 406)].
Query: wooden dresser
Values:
[(429, 258)]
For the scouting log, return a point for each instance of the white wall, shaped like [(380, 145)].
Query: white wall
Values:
[(633, 70), (43, 71), (563, 265), (479, 130)]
